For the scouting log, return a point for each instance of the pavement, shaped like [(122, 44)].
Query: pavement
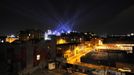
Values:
[(54, 72)]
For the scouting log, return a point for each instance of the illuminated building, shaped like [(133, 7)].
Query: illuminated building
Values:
[(61, 41), (11, 38)]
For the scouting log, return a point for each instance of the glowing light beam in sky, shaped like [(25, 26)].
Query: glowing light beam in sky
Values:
[(61, 28)]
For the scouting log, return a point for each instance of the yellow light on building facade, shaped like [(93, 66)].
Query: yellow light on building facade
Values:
[(67, 54), (100, 42), (61, 41), (76, 50), (10, 39)]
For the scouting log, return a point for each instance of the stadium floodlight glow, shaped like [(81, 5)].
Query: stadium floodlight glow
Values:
[(68, 31), (61, 28)]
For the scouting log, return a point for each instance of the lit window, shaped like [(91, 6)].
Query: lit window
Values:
[(38, 57)]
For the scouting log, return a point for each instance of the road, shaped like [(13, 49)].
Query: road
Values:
[(76, 58)]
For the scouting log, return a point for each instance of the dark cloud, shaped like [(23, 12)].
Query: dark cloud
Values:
[(100, 16), (123, 22)]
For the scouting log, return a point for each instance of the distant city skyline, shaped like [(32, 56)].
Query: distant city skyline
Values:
[(98, 16)]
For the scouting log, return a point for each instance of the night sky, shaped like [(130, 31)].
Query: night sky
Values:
[(99, 16)]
